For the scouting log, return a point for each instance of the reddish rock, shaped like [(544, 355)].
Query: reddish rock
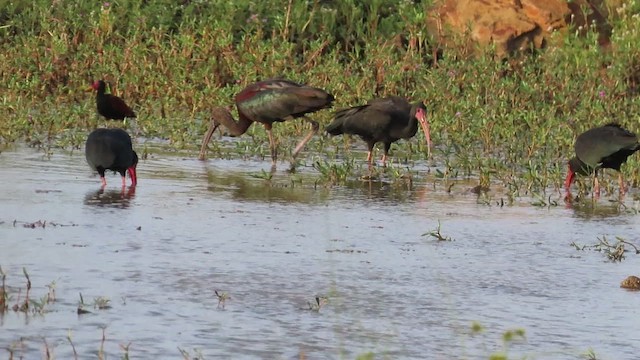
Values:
[(631, 282), (585, 13), (509, 24)]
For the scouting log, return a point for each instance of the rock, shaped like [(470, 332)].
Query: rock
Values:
[(509, 24), (631, 282)]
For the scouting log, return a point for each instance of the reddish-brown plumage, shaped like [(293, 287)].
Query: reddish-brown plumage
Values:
[(110, 106), (266, 102)]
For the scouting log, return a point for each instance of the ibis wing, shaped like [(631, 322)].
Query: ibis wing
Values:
[(281, 100), (594, 145)]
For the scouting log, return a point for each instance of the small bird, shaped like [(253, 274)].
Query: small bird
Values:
[(605, 147), (383, 120), (110, 106), (267, 102), (111, 149)]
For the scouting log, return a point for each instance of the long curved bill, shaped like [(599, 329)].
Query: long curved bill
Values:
[(207, 137), (424, 123)]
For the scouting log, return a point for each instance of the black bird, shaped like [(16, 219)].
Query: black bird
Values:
[(605, 147), (267, 102), (383, 120), (111, 149), (110, 106)]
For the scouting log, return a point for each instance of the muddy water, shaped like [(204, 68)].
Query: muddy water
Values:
[(190, 227)]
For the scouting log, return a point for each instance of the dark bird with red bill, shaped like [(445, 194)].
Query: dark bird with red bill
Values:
[(605, 147), (111, 149)]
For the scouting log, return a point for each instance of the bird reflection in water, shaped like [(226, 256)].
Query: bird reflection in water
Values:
[(590, 208), (111, 197)]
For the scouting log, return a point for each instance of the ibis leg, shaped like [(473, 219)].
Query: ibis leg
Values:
[(623, 188), (272, 145), (101, 172), (386, 154), (370, 145), (314, 129)]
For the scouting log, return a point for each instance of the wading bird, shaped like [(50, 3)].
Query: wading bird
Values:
[(383, 120), (266, 102), (605, 147), (111, 149), (110, 106)]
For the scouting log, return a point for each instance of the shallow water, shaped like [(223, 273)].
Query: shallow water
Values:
[(191, 227)]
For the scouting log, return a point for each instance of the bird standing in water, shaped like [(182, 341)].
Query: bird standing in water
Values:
[(267, 102), (111, 149), (605, 147), (383, 120)]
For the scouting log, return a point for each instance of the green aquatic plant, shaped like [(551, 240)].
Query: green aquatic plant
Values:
[(614, 251), (81, 307), (316, 305), (508, 337), (590, 354), (222, 297), (4, 295), (187, 356), (437, 234), (73, 347), (332, 173)]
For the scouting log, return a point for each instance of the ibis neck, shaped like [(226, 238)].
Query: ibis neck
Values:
[(236, 128), (579, 167)]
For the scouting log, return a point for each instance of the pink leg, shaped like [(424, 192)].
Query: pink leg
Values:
[(623, 188), (596, 187), (124, 181), (103, 181), (314, 129)]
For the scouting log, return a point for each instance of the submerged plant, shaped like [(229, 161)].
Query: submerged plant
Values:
[(437, 234), (334, 173), (319, 302), (4, 295), (222, 298), (615, 252), (81, 307)]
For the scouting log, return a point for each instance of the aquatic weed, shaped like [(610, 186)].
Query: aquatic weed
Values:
[(436, 233), (615, 252)]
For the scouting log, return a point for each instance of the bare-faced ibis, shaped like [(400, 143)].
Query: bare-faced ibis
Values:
[(111, 149), (383, 120), (109, 105), (605, 147), (266, 102)]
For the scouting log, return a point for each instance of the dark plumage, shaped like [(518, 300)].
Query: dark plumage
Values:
[(267, 102), (111, 149), (110, 106), (605, 147), (383, 120)]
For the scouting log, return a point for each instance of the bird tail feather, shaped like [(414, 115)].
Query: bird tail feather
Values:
[(335, 128)]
